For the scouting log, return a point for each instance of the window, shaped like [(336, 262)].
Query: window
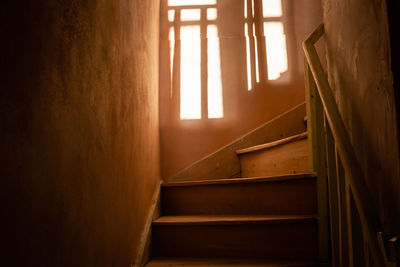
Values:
[(193, 38)]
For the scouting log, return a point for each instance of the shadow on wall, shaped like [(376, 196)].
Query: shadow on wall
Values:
[(224, 63)]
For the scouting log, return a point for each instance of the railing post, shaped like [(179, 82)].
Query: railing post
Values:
[(333, 195), (343, 235), (317, 160), (310, 90), (349, 217), (357, 237)]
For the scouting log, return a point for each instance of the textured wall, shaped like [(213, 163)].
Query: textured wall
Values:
[(185, 141), (79, 129), (357, 43)]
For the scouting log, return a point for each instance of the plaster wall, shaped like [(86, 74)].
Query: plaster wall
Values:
[(358, 60), (79, 129), (184, 142)]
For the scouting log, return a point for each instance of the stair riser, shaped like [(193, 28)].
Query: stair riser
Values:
[(227, 263), (279, 197), (289, 241), (286, 159)]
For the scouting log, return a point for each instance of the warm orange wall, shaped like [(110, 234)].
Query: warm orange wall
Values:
[(358, 55), (79, 129), (186, 141)]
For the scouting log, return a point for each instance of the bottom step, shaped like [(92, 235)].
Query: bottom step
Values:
[(293, 238), (224, 263)]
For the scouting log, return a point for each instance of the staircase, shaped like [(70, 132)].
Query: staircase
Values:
[(266, 218)]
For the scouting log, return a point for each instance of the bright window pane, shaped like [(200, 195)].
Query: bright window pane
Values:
[(171, 15), (211, 13), (245, 8), (190, 73), (190, 15), (191, 2), (171, 51), (214, 85), (272, 8)]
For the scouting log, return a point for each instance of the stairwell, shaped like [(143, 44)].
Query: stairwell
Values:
[(267, 217)]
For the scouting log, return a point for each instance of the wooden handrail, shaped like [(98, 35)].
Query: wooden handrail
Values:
[(362, 195)]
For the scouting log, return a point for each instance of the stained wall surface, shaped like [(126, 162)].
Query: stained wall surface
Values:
[(79, 129), (184, 142), (357, 42)]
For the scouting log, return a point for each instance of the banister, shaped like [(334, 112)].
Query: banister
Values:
[(362, 195)]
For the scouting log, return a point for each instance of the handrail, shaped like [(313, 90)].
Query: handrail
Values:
[(362, 195)]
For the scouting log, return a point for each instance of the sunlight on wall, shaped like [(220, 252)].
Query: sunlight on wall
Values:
[(275, 40), (276, 49), (248, 60), (190, 72), (214, 83), (273, 51)]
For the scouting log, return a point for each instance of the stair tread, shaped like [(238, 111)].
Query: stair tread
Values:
[(242, 180), (190, 262), (272, 144), (231, 219)]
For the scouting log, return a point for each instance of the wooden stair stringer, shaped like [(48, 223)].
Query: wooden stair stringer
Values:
[(225, 164)]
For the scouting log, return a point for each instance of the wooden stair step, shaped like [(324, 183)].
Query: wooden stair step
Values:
[(190, 262), (283, 141), (231, 219), (263, 237), (286, 156), (289, 194), (240, 180)]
